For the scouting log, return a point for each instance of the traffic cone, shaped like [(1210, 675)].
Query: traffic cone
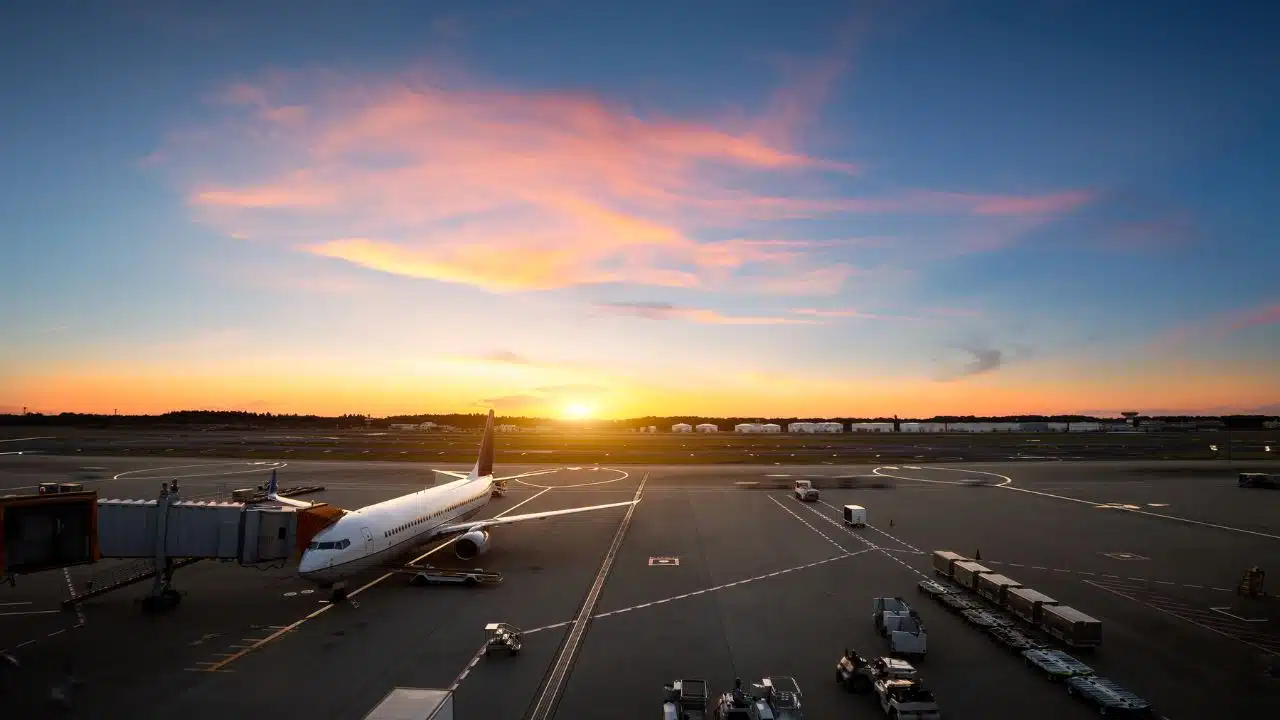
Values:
[(977, 554)]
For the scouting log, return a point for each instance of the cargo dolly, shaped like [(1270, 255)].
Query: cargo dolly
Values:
[(432, 575)]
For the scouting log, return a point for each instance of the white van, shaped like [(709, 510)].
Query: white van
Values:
[(855, 516)]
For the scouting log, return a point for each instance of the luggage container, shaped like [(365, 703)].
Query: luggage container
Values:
[(994, 587), (944, 562), (1071, 626), (855, 516), (966, 573), (1027, 603)]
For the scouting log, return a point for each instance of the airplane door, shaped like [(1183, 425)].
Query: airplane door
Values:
[(368, 540)]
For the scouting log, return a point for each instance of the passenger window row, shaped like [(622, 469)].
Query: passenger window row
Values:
[(419, 521)]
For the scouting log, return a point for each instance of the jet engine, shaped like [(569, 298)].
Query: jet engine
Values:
[(472, 544)]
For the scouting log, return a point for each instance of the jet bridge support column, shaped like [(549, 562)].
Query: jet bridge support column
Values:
[(162, 596)]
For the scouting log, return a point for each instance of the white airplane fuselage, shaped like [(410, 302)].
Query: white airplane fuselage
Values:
[(378, 534)]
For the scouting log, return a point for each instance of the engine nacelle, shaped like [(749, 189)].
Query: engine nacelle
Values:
[(472, 544)]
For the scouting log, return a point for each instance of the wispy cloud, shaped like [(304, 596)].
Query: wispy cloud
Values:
[(508, 357), (431, 175), (667, 311), (1221, 325)]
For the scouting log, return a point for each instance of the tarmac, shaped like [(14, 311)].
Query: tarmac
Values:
[(710, 580)]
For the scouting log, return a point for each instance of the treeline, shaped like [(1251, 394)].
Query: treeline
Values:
[(215, 419)]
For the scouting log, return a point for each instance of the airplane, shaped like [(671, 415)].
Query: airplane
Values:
[(377, 534)]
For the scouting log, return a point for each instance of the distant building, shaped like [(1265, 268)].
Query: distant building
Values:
[(707, 428), (749, 428), (830, 427), (770, 428), (1033, 427), (681, 428), (508, 428), (923, 427), (404, 426), (871, 427), (802, 427)]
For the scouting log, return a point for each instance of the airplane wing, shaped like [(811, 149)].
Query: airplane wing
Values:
[(464, 476), (507, 519), (291, 503)]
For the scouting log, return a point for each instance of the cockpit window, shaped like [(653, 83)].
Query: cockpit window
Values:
[(334, 545)]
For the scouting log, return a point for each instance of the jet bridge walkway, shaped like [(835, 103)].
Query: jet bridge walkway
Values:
[(56, 530)]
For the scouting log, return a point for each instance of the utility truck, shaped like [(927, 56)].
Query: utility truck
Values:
[(906, 700), (805, 490)]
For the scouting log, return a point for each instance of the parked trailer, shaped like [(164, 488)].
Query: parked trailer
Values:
[(966, 573), (1027, 603), (1070, 626), (944, 562), (855, 516), (405, 703), (993, 587)]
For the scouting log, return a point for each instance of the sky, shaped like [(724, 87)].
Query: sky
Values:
[(728, 207)]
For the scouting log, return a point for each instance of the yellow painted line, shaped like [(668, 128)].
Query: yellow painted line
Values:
[(325, 608)]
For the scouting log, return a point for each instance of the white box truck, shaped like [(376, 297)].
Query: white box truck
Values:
[(406, 703), (855, 516)]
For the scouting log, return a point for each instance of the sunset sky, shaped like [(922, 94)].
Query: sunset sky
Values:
[(728, 207)]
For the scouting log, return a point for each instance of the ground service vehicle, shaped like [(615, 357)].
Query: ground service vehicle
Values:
[(901, 626), (805, 490), (966, 573), (993, 587), (855, 516), (685, 700), (776, 698), (986, 619), (431, 575), (857, 674), (1055, 664), (404, 703), (944, 562), (906, 700), (1262, 480), (1107, 696), (1027, 603), (959, 602), (1071, 626), (501, 636)]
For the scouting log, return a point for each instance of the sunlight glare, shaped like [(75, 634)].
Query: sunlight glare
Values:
[(577, 411)]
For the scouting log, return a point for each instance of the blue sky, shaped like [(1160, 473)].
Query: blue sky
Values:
[(721, 208)]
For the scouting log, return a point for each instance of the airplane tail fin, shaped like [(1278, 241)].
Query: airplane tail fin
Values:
[(484, 463), (272, 486)]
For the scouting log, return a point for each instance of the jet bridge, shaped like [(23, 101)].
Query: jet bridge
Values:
[(167, 533)]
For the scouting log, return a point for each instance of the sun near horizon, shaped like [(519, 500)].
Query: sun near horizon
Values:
[(577, 411)]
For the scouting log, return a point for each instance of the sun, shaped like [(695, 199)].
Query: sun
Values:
[(577, 411)]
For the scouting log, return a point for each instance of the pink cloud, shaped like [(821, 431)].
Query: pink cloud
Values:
[(437, 178), (667, 311), (1220, 326), (836, 313)]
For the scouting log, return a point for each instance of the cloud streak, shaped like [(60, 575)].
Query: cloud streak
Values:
[(667, 311), (431, 175)]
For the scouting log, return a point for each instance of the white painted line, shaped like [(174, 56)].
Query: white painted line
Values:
[(30, 612), (1185, 619), (806, 524), (258, 467), (36, 437), (24, 602), (71, 590), (1224, 610)]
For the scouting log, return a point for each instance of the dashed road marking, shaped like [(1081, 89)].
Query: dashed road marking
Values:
[(806, 524), (1108, 575), (704, 591)]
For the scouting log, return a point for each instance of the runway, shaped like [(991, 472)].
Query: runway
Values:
[(708, 580)]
